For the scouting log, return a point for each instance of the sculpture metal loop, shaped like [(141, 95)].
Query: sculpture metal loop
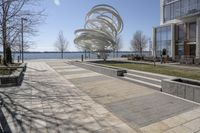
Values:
[(102, 26)]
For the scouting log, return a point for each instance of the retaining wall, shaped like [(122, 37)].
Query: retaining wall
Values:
[(100, 69), (187, 88)]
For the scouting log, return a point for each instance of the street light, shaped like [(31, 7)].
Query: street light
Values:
[(22, 30)]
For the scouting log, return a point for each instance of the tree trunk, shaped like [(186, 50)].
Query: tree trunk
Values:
[(141, 51), (8, 54), (4, 39)]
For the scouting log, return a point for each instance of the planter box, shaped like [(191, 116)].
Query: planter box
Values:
[(184, 88), (197, 61), (13, 79)]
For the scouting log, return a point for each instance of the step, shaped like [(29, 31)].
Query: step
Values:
[(150, 75), (144, 83), (143, 78)]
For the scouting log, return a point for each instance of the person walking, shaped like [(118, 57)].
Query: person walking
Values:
[(164, 55), (161, 57)]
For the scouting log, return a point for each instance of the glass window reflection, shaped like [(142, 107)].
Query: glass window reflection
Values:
[(192, 32), (163, 40)]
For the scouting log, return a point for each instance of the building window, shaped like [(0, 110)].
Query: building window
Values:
[(163, 40), (180, 33), (192, 6), (184, 7), (192, 32), (167, 13), (169, 33), (180, 50), (198, 5), (179, 8), (172, 11)]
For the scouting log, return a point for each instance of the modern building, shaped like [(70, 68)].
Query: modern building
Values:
[(179, 30)]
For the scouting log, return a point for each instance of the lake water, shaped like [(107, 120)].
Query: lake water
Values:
[(68, 55)]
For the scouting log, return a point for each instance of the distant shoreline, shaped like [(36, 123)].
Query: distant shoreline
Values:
[(76, 52)]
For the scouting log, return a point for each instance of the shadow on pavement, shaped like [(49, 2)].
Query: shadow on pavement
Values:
[(24, 111)]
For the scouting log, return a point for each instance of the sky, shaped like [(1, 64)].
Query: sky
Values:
[(69, 15)]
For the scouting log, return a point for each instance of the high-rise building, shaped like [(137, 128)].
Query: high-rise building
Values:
[(179, 30)]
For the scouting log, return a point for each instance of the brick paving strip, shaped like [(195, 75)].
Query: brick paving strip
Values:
[(47, 102)]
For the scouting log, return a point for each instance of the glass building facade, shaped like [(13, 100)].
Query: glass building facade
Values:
[(179, 8), (185, 39), (163, 40), (181, 36)]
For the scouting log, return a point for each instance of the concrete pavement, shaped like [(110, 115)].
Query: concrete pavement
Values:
[(47, 102), (58, 97), (138, 106)]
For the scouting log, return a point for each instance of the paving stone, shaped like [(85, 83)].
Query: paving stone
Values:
[(85, 80), (107, 130), (47, 102), (179, 129), (149, 108), (74, 72), (74, 76), (174, 121), (193, 125), (191, 115), (124, 128), (155, 128)]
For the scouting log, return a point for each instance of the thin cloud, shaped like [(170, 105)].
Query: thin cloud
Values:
[(57, 2)]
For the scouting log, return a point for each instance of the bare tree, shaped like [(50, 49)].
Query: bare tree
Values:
[(11, 13), (139, 42), (17, 47), (61, 44)]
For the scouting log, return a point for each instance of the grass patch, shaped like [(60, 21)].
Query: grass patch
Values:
[(171, 71), (6, 71)]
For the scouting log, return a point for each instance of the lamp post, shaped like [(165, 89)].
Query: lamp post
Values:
[(22, 30)]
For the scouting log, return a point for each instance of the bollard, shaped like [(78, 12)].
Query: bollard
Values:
[(82, 58), (18, 59), (85, 54)]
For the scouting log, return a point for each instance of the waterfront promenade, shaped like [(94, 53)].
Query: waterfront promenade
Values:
[(58, 97)]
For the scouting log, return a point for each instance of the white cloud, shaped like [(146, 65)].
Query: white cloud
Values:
[(57, 2)]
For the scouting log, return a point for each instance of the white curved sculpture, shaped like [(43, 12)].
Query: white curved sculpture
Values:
[(102, 26)]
